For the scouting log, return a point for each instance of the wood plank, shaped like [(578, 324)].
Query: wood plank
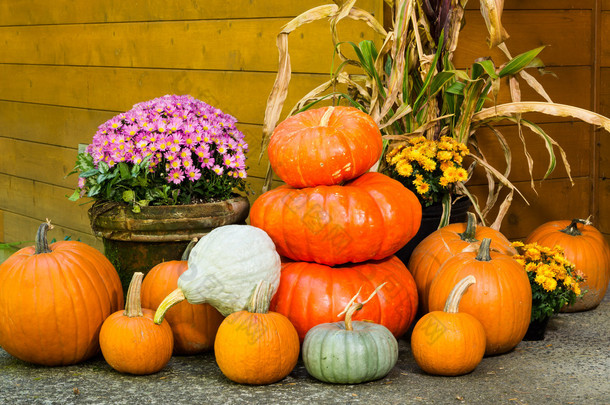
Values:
[(541, 4), (604, 33), (35, 199), (20, 228), (45, 163), (556, 199), (35, 12), (604, 92), (241, 94), (61, 126), (529, 30), (605, 4), (211, 44), (572, 137)]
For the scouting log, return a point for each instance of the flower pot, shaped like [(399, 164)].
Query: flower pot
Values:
[(136, 242), (431, 218), (536, 330)]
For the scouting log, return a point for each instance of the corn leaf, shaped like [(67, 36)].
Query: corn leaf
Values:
[(520, 62)]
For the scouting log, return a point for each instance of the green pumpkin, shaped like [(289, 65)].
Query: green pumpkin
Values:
[(349, 352)]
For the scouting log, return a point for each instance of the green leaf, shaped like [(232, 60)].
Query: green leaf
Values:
[(520, 62), (93, 191), (486, 66), (75, 196), (89, 173), (124, 170), (103, 167), (129, 195)]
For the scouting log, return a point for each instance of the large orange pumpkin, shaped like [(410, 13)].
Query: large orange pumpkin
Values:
[(54, 299), (371, 217), (310, 294), (324, 146), (444, 243), (194, 325), (584, 246), (501, 299)]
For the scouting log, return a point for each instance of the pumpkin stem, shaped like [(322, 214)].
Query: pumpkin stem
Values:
[(326, 116), (353, 306), (471, 229), (42, 245), (572, 229), (483, 255), (455, 296), (133, 304), (187, 251), (172, 299), (261, 298)]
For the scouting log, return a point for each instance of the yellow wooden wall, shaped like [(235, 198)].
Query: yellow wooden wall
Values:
[(66, 67)]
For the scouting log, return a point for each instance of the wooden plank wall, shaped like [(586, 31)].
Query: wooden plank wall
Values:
[(66, 67), (569, 30)]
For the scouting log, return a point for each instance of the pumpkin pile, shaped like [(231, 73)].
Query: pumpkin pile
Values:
[(336, 225)]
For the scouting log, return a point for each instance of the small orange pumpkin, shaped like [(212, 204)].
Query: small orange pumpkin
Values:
[(449, 342), (257, 346), (501, 299), (194, 325), (130, 340), (584, 246), (443, 243)]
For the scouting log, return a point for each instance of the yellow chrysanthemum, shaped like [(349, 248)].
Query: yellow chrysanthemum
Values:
[(423, 188), (444, 155), (461, 174), (404, 169), (532, 254), (450, 174), (428, 164), (518, 244), (549, 284)]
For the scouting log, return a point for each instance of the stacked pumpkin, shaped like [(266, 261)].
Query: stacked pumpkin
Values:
[(337, 225)]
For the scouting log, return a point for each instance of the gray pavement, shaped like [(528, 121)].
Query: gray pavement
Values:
[(571, 366)]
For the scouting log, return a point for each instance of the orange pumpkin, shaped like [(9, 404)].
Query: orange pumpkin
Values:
[(310, 294), (501, 299), (324, 146), (584, 246), (444, 243), (256, 346), (194, 326), (449, 342), (369, 218), (131, 342), (54, 299)]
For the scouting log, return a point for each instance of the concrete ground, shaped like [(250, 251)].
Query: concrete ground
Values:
[(571, 366)]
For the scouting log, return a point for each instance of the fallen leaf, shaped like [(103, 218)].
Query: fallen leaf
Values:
[(76, 391), (459, 398)]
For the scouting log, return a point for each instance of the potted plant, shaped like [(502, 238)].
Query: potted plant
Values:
[(411, 88), (159, 175), (554, 280)]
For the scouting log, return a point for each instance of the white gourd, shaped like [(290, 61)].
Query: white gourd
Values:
[(224, 268)]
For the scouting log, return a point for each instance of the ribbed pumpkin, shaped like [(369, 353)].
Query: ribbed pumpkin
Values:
[(256, 346), (324, 146), (350, 352), (440, 245), (501, 299), (131, 342), (194, 325), (369, 218), (449, 342), (311, 293), (54, 299), (584, 246)]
